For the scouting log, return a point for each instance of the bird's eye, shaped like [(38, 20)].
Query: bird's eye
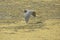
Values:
[(25, 11)]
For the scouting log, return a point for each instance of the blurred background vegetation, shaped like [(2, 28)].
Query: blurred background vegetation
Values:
[(45, 26)]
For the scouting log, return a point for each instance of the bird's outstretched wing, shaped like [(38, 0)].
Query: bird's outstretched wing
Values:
[(28, 13), (27, 16)]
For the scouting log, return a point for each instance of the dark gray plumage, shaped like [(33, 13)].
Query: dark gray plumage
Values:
[(28, 13)]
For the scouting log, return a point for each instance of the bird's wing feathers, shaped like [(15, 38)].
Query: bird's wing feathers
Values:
[(27, 16), (28, 13)]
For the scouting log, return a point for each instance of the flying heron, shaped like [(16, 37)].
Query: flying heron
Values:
[(28, 13)]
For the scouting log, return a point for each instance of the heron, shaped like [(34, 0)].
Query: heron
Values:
[(28, 13)]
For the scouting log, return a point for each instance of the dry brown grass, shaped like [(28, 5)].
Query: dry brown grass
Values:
[(45, 26)]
